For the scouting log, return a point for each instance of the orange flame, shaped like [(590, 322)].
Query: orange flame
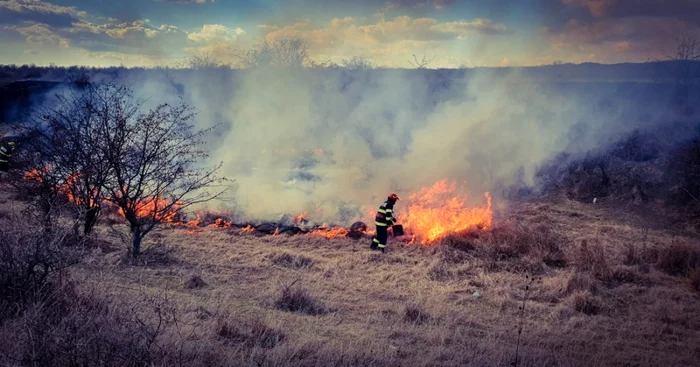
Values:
[(300, 218), (248, 228), (63, 189), (34, 175), (195, 222), (329, 233), (154, 206), (436, 211), (221, 223)]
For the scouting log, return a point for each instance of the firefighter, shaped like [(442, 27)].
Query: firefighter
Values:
[(6, 149), (383, 219)]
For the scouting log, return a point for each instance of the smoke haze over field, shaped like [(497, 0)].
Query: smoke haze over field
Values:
[(341, 141)]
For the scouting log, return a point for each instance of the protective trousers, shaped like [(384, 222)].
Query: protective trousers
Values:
[(379, 241)]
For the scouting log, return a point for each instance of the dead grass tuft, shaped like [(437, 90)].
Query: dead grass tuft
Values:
[(288, 260), (579, 281), (439, 271), (586, 303), (694, 277), (264, 336), (628, 274), (297, 299), (194, 281), (257, 334), (415, 313), (678, 259), (464, 241), (592, 257), (156, 255), (226, 330)]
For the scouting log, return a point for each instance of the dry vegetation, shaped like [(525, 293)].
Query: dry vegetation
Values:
[(608, 290)]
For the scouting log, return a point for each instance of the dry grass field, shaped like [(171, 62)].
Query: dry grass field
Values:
[(606, 286)]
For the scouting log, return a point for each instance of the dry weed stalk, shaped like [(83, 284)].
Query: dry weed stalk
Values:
[(530, 280)]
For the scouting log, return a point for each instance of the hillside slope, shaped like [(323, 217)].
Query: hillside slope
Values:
[(604, 295)]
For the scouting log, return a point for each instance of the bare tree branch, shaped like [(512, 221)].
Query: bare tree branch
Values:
[(686, 59), (201, 61), (357, 63), (422, 63), (286, 53), (96, 146)]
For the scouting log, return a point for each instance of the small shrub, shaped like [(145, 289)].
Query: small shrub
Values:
[(678, 259), (297, 299), (415, 313), (587, 304), (288, 260)]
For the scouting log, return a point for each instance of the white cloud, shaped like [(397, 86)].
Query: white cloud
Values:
[(40, 34), (38, 6), (215, 33)]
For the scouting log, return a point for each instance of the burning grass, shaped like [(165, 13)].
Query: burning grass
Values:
[(434, 212), (431, 214)]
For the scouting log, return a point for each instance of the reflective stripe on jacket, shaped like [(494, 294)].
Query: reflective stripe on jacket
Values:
[(385, 214)]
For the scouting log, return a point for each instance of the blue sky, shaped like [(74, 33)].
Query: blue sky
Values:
[(455, 32)]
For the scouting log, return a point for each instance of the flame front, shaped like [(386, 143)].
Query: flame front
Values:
[(160, 209), (436, 211), (330, 233)]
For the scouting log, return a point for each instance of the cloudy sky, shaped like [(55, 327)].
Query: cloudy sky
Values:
[(454, 32)]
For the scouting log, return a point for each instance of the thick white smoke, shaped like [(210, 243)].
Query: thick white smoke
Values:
[(336, 143)]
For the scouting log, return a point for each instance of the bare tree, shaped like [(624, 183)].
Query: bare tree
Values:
[(320, 64), (422, 63), (686, 59), (286, 53), (153, 159), (292, 52), (97, 145), (259, 55), (357, 63), (198, 61), (65, 159)]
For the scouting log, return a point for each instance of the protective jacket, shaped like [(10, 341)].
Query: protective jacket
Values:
[(385, 214), (5, 155)]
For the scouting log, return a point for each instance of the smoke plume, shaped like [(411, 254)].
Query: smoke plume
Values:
[(335, 143)]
